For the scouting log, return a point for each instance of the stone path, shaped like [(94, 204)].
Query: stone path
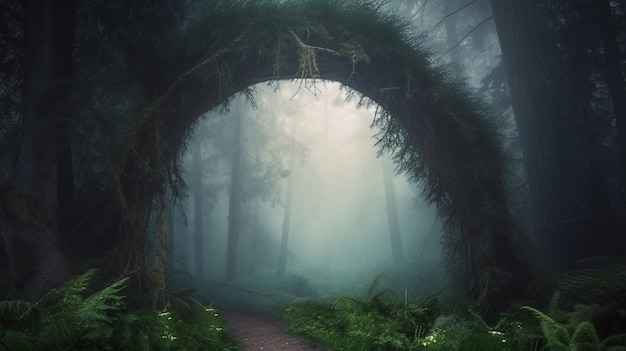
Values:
[(256, 332)]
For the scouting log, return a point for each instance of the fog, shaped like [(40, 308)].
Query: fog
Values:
[(311, 134)]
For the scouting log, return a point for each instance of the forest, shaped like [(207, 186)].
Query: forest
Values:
[(348, 174)]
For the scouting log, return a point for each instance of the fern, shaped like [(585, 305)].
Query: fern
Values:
[(603, 283), (584, 337), (63, 318), (98, 312), (614, 343), (556, 335), (374, 321), (16, 311), (70, 292), (67, 318)]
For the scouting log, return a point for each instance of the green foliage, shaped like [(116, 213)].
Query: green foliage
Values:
[(583, 338), (64, 318), (603, 282), (352, 323), (555, 334), (377, 321), (594, 297), (167, 330), (380, 320), (68, 319)]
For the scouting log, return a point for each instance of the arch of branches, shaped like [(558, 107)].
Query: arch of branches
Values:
[(436, 131)]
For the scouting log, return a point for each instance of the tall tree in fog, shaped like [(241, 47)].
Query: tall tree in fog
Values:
[(198, 215), (326, 262), (284, 239), (255, 154), (235, 198), (395, 237), (545, 50)]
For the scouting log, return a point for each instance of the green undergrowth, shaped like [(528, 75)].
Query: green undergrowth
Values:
[(350, 323), (381, 320), (580, 336), (72, 317)]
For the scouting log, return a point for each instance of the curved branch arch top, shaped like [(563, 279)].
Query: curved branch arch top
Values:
[(437, 132)]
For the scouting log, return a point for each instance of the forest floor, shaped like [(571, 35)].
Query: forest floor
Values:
[(256, 332)]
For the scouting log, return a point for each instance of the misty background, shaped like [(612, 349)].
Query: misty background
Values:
[(320, 137), (338, 230)]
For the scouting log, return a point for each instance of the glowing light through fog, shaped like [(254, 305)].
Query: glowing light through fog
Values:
[(338, 192), (339, 217)]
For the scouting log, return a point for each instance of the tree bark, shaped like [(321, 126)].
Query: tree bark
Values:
[(30, 198), (549, 86)]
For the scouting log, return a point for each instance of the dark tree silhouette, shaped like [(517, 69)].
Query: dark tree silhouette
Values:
[(29, 220), (545, 47)]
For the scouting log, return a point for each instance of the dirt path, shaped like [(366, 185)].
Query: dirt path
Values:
[(256, 332)]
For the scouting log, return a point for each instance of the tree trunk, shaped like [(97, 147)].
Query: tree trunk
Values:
[(284, 240), (30, 198), (255, 240), (548, 84), (397, 249), (198, 193), (234, 210), (63, 74), (615, 80), (326, 234)]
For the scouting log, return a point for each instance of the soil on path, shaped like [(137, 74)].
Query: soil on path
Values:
[(256, 332)]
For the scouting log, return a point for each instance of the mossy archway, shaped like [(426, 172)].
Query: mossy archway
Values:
[(439, 135)]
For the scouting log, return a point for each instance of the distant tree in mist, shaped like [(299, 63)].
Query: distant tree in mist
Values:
[(395, 236), (284, 239), (197, 189), (235, 198), (255, 149)]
